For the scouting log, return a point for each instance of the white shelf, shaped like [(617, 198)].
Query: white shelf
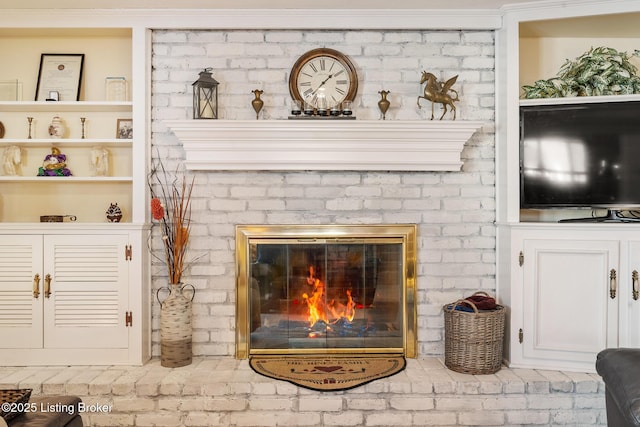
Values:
[(65, 179), (579, 100), (323, 144), (68, 227), (47, 142), (65, 106)]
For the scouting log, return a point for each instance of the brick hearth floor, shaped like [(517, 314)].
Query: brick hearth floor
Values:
[(216, 391)]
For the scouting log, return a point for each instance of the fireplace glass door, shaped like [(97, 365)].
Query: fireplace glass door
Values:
[(328, 295), (324, 295)]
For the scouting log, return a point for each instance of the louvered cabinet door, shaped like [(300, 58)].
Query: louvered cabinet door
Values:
[(21, 291), (89, 291)]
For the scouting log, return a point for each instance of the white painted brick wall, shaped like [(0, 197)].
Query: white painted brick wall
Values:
[(454, 210)]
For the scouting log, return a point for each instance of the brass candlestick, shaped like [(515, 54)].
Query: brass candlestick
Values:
[(82, 120), (384, 104), (257, 103), (30, 120)]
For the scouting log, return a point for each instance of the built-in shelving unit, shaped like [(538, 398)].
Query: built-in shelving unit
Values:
[(25, 197), (88, 262), (535, 43), (545, 268)]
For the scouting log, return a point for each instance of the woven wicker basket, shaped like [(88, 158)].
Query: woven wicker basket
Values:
[(473, 341)]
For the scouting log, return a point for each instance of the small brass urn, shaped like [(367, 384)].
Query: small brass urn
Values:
[(257, 103), (384, 103)]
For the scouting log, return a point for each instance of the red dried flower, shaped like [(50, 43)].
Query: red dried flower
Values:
[(170, 207), (157, 211)]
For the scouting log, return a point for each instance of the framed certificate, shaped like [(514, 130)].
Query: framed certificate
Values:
[(61, 73)]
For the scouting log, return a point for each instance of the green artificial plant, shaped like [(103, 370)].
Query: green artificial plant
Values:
[(600, 71)]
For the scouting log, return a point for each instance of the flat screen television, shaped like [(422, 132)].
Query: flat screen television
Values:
[(580, 156)]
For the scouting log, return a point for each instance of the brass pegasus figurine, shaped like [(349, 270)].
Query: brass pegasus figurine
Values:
[(435, 91)]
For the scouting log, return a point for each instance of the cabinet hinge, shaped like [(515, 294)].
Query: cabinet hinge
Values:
[(520, 336), (128, 253), (128, 318), (521, 258)]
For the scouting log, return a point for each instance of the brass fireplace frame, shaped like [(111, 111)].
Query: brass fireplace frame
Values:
[(405, 232)]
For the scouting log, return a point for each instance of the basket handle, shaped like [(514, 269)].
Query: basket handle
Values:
[(482, 293), (455, 304)]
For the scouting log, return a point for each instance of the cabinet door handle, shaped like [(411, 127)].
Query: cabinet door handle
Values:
[(635, 292), (613, 285), (47, 286), (36, 286)]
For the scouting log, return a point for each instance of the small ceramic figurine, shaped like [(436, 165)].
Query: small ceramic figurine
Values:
[(11, 159), (57, 128), (114, 213), (54, 164), (100, 160)]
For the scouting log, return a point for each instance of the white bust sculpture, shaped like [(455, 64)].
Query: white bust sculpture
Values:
[(11, 158)]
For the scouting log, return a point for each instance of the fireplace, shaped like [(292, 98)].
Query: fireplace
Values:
[(325, 289)]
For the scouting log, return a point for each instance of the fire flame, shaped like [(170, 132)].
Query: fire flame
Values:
[(319, 309)]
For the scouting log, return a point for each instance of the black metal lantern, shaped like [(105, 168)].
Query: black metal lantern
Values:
[(205, 96)]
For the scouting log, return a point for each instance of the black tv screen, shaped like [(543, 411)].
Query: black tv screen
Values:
[(580, 155)]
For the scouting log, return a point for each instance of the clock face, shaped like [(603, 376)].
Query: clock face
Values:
[(323, 78)]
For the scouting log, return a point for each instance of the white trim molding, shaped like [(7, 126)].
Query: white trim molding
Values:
[(264, 19), (374, 145)]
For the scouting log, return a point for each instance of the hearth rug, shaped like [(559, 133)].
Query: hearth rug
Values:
[(328, 372)]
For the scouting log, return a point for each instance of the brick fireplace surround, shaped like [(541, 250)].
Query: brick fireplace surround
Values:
[(454, 211)]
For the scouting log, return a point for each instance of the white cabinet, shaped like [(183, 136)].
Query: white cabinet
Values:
[(572, 294), (68, 298), (630, 297)]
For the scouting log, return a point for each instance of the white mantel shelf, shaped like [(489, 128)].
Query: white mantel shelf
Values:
[(374, 145)]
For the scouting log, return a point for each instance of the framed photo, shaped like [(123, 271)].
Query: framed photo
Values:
[(61, 73), (124, 129)]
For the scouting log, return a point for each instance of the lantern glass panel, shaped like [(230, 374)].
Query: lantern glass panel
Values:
[(205, 96), (205, 103)]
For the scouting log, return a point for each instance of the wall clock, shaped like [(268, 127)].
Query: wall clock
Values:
[(323, 73)]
